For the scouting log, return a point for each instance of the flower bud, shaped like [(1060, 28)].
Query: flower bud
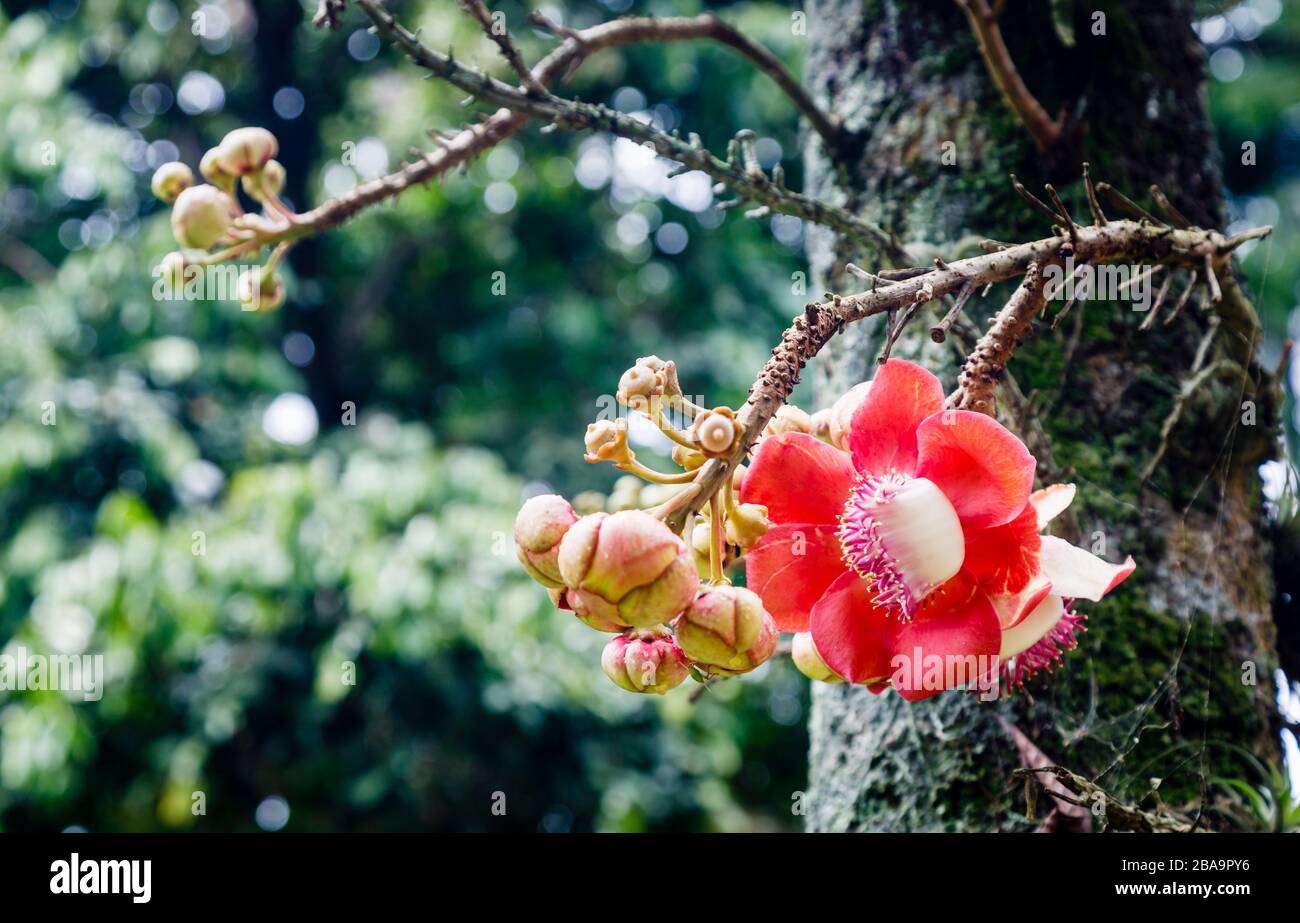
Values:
[(639, 385), (715, 430), (756, 656), (606, 440), (270, 180), (626, 495), (170, 180), (629, 567), (647, 661), (539, 526), (259, 290), (565, 598), (687, 459), (246, 150), (720, 624), (810, 663), (841, 415), (788, 419), (821, 425), (211, 170), (746, 524), (172, 270), (201, 216)]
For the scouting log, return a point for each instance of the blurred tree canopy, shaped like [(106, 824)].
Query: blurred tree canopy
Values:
[(232, 507)]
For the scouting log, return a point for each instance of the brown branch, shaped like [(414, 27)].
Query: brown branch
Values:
[(1045, 130), (810, 332), (576, 115), (480, 12)]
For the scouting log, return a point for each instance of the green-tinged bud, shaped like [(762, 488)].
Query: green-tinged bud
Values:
[(269, 180), (629, 567), (645, 661), (259, 290), (716, 430), (170, 180), (720, 624), (756, 656), (606, 440), (211, 170), (565, 598), (626, 494), (841, 415), (539, 526), (246, 150), (789, 419), (201, 216), (747, 524), (810, 663)]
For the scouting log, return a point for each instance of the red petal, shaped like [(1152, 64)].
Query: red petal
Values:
[(882, 436), (983, 469), (799, 479), (861, 642), (790, 567), (1013, 609), (1079, 575), (1003, 559)]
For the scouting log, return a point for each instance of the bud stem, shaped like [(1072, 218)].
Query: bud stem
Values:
[(649, 474)]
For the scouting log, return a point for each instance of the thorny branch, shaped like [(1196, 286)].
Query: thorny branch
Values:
[(558, 65)]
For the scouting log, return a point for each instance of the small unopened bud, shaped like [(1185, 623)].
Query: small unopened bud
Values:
[(688, 459), (170, 180), (211, 170), (629, 567), (715, 431), (649, 662), (269, 180), (246, 150), (761, 651), (810, 663), (539, 527), (606, 440), (201, 216), (789, 419), (720, 624), (639, 386), (259, 289), (746, 524), (172, 270), (841, 415)]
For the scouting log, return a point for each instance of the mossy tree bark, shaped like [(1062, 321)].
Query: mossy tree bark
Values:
[(1160, 687)]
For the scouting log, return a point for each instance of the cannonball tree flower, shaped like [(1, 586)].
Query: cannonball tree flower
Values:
[(1038, 621), (539, 526), (201, 216), (868, 547), (245, 150), (720, 624), (628, 567)]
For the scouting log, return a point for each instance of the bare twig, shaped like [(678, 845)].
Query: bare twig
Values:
[(1035, 202), (480, 12), (1098, 216), (1041, 127), (939, 332), (1178, 219), (1126, 203)]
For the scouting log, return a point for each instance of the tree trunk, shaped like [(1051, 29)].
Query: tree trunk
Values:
[(1176, 668)]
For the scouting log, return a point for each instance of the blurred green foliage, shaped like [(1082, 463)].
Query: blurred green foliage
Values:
[(167, 501)]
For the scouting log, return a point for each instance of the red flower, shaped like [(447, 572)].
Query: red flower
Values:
[(867, 549)]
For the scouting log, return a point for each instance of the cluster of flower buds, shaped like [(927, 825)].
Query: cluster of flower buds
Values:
[(622, 569), (627, 573), (209, 215)]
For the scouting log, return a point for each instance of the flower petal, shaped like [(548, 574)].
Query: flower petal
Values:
[(1013, 608), (1041, 619), (1077, 574), (956, 624), (1003, 559), (1051, 502), (798, 478), (790, 568), (986, 471), (882, 435)]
